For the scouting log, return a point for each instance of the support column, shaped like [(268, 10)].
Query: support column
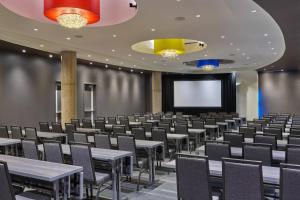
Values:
[(68, 86), (156, 92)]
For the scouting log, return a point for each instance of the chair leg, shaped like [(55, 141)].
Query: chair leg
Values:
[(91, 190), (139, 180), (98, 192), (87, 191)]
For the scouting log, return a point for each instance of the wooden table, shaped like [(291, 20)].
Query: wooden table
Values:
[(45, 171), (114, 157), (271, 175)]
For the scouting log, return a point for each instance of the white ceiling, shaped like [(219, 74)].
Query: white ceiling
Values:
[(243, 29)]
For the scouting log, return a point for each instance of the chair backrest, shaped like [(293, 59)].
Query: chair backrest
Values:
[(87, 123), (277, 125), (294, 139), (30, 133), (166, 120), (16, 132), (289, 181), (102, 141), (100, 124), (30, 149), (127, 143), (257, 126), (82, 156), (125, 123), (198, 124), (248, 131), (274, 131), (44, 127), (181, 129), (147, 126), (4, 132), (80, 138), (243, 180), (56, 127), (70, 129), (111, 120), (293, 154), (166, 126), (131, 118), (160, 135), (210, 121), (119, 129), (216, 150), (266, 139), (53, 152), (259, 152), (295, 131), (75, 122), (235, 139), (6, 189), (139, 133), (192, 173), (100, 118)]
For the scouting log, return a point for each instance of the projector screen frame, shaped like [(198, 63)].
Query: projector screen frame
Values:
[(207, 107)]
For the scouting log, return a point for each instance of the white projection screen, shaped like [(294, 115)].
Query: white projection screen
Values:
[(206, 93)]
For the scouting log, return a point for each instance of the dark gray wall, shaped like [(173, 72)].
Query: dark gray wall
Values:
[(279, 92), (27, 89)]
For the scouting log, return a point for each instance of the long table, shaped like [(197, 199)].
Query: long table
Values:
[(114, 157), (194, 131), (6, 142), (271, 175), (45, 171), (47, 135)]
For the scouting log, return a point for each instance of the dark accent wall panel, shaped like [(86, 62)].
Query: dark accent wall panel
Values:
[(279, 92), (27, 89), (228, 92)]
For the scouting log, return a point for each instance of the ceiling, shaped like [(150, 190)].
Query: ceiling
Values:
[(286, 14), (235, 30)]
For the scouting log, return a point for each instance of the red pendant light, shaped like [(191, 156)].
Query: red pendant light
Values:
[(73, 13)]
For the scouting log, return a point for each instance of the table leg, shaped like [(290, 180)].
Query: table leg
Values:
[(6, 150), (66, 138), (151, 167), (66, 181), (81, 185), (177, 145), (56, 190), (69, 186), (116, 189), (188, 143)]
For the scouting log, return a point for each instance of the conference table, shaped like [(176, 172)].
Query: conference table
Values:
[(238, 152), (194, 131), (45, 171), (114, 157), (271, 175), (47, 135), (6, 142)]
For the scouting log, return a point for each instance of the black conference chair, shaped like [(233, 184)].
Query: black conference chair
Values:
[(100, 124), (266, 139), (16, 132), (76, 123), (53, 152), (274, 131), (4, 132), (259, 152), (195, 170), (248, 131), (235, 139), (31, 133), (57, 127), (289, 181), (30, 149), (70, 130), (102, 141), (160, 135), (216, 150), (295, 131), (294, 139), (87, 123), (44, 127), (119, 130), (242, 180), (293, 154), (139, 133)]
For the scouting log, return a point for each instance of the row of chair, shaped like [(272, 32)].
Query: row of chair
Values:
[(242, 179)]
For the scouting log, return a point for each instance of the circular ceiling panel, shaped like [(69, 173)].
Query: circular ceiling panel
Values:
[(112, 12)]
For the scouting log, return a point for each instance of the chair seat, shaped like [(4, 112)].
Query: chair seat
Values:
[(32, 196), (101, 177)]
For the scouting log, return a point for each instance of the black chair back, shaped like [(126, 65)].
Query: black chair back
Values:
[(16, 132), (259, 152), (6, 189), (289, 181), (4, 132), (235, 139), (56, 127), (87, 123), (266, 139), (293, 154), (139, 133), (44, 127), (216, 150)]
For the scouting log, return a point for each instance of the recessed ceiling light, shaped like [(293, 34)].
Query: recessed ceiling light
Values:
[(113, 50), (198, 16), (238, 49), (129, 55), (41, 45), (23, 51), (205, 55), (114, 35), (50, 56), (243, 54), (272, 48), (178, 0), (253, 11), (269, 42), (35, 29), (68, 38), (131, 70), (91, 63), (106, 66), (89, 56), (247, 57), (106, 59), (142, 72), (134, 65), (153, 29), (223, 36), (231, 44), (282, 70), (120, 68), (266, 34)]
